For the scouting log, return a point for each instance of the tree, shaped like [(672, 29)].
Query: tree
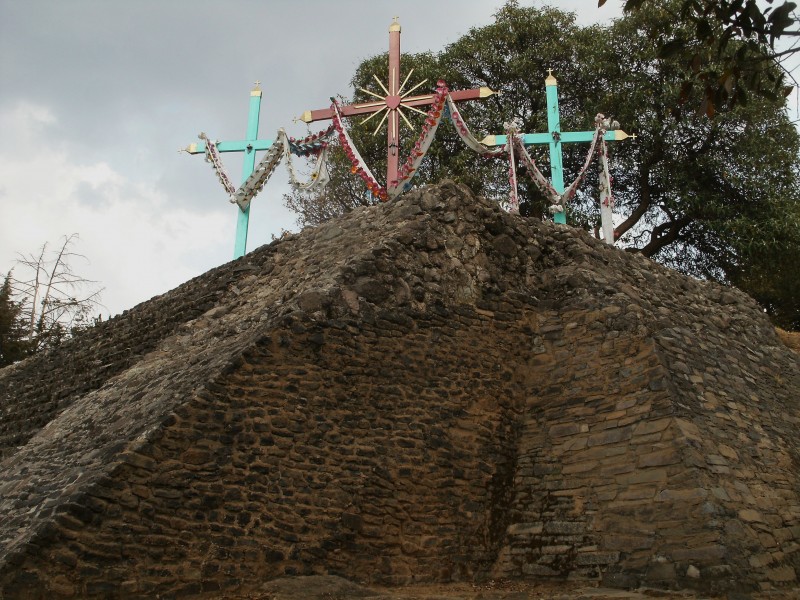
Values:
[(711, 198), (703, 188), (55, 301), (768, 271), (13, 346), (740, 37)]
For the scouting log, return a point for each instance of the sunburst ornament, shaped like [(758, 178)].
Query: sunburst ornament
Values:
[(391, 103)]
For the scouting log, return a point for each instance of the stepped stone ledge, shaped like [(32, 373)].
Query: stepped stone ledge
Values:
[(429, 390)]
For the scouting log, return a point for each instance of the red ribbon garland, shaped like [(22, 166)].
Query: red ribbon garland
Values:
[(358, 168)]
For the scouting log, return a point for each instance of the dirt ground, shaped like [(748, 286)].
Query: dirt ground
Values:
[(335, 588)]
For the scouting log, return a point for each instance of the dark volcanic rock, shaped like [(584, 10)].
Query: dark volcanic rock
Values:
[(428, 390)]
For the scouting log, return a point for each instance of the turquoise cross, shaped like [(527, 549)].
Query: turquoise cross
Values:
[(554, 138), (250, 145)]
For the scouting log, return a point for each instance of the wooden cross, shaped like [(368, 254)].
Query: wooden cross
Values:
[(392, 103), (250, 145), (554, 138)]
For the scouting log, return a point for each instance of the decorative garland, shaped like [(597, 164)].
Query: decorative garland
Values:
[(314, 144), (465, 134), (557, 201), (423, 143), (212, 156), (359, 167), (512, 131), (541, 182), (599, 135), (260, 175), (442, 106), (319, 177), (282, 147), (311, 144), (606, 197)]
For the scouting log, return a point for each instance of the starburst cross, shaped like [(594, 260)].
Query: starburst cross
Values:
[(391, 104)]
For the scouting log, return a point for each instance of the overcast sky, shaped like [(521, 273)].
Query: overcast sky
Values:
[(96, 97)]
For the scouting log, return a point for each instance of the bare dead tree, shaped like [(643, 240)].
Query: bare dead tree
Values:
[(55, 300)]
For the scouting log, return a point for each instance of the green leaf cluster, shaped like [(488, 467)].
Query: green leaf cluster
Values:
[(731, 41)]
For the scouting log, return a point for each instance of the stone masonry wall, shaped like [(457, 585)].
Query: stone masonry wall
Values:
[(429, 390), (34, 391), (596, 450), (741, 441), (318, 455), (633, 467)]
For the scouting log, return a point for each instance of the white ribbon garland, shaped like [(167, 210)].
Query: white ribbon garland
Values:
[(319, 174), (212, 156), (606, 198), (281, 148), (515, 141), (557, 201), (513, 197), (599, 134), (422, 146), (466, 136), (260, 175)]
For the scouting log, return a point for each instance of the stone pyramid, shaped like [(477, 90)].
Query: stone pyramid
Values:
[(426, 390)]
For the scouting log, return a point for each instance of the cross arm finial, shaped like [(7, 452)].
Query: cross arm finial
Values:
[(550, 79), (395, 26)]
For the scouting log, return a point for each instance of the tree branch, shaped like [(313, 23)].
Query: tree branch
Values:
[(664, 234), (645, 197)]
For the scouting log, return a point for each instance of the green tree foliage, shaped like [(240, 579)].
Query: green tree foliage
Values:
[(729, 43), (768, 268), (13, 346), (717, 198), (713, 198)]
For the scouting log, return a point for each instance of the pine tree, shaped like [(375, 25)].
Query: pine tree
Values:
[(13, 346)]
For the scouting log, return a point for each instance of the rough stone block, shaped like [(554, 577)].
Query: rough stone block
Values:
[(526, 529), (610, 436), (597, 558), (691, 496), (627, 543), (643, 476), (537, 570), (564, 527), (750, 515), (650, 427), (783, 574), (659, 458), (565, 429), (703, 555)]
